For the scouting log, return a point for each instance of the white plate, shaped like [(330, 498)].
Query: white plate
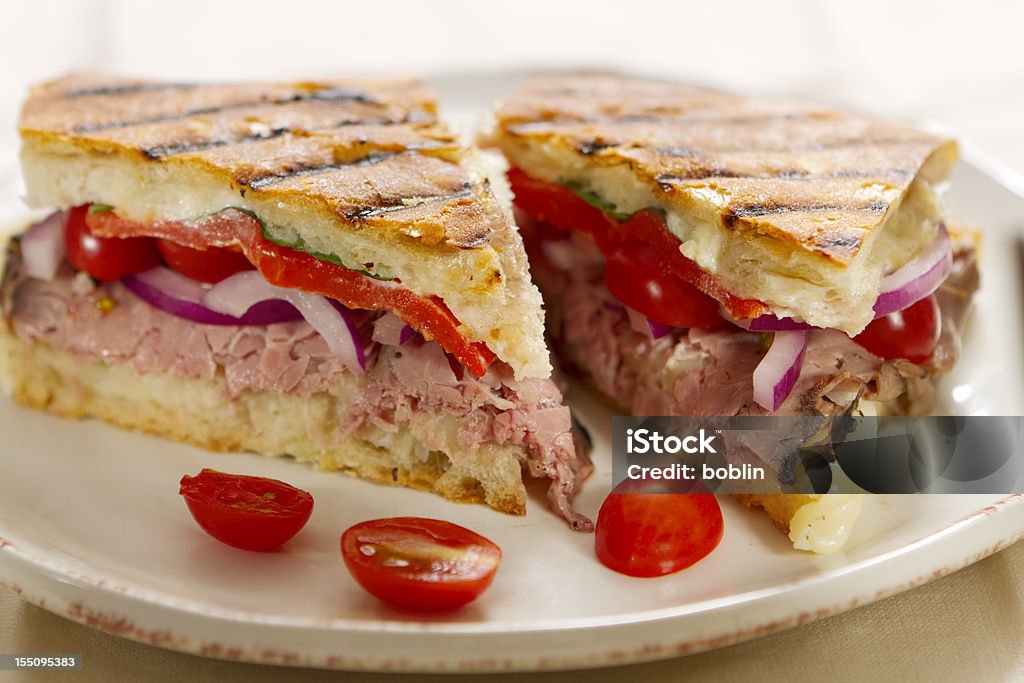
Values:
[(91, 527)]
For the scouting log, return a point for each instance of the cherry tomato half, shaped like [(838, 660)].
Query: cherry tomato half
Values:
[(293, 269), (418, 563), (634, 277), (558, 205), (212, 264), (652, 534), (912, 333), (106, 258), (251, 513)]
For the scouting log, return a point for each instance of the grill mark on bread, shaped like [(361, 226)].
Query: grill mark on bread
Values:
[(127, 89), (801, 175), (843, 243), (732, 214), (668, 179), (296, 170), (326, 95), (167, 150), (593, 146), (394, 204), (590, 147), (171, 149), (846, 143), (663, 119), (371, 148)]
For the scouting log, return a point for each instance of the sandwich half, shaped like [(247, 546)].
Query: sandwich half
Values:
[(316, 269), (703, 253)]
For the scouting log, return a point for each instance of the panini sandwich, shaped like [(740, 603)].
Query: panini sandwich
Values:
[(703, 253), (313, 269)]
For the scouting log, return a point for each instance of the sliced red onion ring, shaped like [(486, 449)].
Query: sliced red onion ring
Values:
[(917, 279), (647, 327), (769, 323), (240, 292), (391, 330), (181, 296), (614, 307), (651, 329), (42, 247), (778, 371)]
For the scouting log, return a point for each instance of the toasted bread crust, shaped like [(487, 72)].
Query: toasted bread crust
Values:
[(371, 151), (806, 176)]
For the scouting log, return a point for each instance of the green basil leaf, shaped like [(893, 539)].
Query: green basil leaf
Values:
[(303, 247), (597, 201)]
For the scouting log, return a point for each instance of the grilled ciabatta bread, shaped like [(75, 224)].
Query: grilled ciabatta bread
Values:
[(793, 205), (359, 171)]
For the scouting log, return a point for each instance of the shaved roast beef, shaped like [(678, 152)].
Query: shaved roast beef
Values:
[(292, 358), (709, 372)]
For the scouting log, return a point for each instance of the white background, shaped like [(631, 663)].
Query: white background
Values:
[(957, 63)]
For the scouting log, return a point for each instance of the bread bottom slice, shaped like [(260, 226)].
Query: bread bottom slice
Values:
[(194, 410)]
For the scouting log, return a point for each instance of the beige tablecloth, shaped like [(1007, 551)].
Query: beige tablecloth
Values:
[(965, 627)]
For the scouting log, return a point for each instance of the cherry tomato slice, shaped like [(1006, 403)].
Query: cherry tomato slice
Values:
[(634, 277), (646, 534), (293, 269), (251, 513), (212, 264), (106, 258), (558, 205), (420, 564), (912, 333)]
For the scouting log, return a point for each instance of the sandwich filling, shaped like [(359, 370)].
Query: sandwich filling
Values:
[(712, 211), (659, 370), (623, 297), (397, 391)]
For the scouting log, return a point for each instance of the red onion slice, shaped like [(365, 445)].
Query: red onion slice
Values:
[(42, 247), (917, 279), (778, 371), (181, 296), (647, 327), (769, 323), (614, 307), (173, 284), (391, 330), (241, 291)]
